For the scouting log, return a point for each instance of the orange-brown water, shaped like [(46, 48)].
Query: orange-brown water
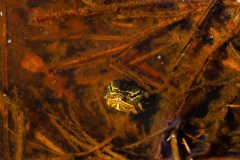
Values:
[(58, 58)]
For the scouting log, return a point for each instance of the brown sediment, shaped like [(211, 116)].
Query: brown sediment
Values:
[(55, 77)]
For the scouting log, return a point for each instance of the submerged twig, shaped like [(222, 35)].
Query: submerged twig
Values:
[(90, 147), (114, 154), (232, 51), (182, 9), (152, 83), (220, 38), (68, 136), (125, 45), (186, 145), (174, 145), (6, 137), (149, 137), (4, 47), (130, 74), (47, 142), (74, 61), (153, 53), (4, 78), (233, 105), (102, 107), (20, 136), (149, 32), (96, 10), (95, 148), (231, 3), (18, 118), (194, 32)]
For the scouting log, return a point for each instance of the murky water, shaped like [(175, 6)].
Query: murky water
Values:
[(104, 79)]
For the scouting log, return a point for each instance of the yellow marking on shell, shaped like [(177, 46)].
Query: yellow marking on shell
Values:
[(137, 93), (117, 104)]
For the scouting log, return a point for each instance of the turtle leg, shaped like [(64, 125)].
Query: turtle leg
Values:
[(140, 106)]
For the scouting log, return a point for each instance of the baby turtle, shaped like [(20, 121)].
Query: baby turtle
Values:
[(125, 96)]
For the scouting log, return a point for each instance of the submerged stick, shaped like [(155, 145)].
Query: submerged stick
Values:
[(95, 148), (101, 107), (68, 136), (174, 145), (18, 118), (149, 137), (153, 53), (89, 146), (147, 33), (4, 47), (6, 137), (97, 10), (114, 154), (130, 74), (182, 52), (20, 136), (228, 31), (231, 3), (47, 142), (4, 77), (124, 46), (74, 61)]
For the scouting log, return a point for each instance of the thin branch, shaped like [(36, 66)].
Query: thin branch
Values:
[(220, 38), (114, 154), (6, 137), (90, 149), (149, 32), (102, 107), (153, 53), (68, 136), (97, 10), (4, 47), (130, 74), (74, 61), (47, 142), (194, 32), (125, 46), (231, 3), (148, 138), (95, 148), (4, 77), (20, 127), (183, 9), (174, 145)]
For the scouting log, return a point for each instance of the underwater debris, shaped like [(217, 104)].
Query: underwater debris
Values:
[(174, 63)]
